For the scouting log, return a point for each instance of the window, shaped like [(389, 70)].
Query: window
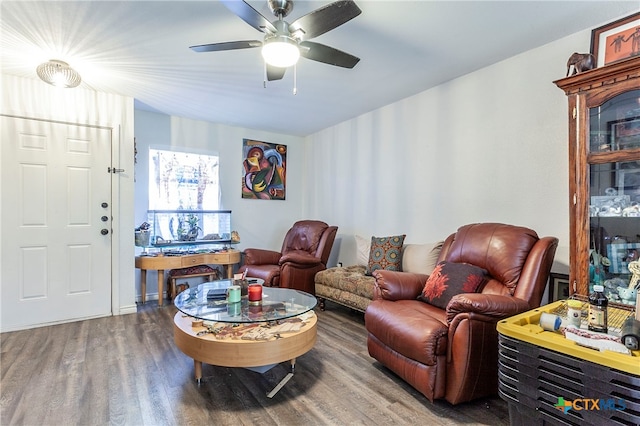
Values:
[(183, 180)]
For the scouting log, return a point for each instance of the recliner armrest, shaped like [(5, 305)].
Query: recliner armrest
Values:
[(394, 285), (492, 305), (300, 258), (254, 256)]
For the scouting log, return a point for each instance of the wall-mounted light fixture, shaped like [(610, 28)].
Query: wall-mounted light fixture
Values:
[(58, 73)]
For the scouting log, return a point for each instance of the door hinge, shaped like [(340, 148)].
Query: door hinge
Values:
[(575, 199), (575, 112), (114, 170)]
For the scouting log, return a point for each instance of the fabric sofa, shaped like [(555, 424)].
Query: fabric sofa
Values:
[(450, 350), (352, 287)]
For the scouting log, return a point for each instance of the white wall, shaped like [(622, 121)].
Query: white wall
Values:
[(34, 99), (489, 146), (260, 223)]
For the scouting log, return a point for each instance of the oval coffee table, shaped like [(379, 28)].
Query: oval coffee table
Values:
[(255, 336)]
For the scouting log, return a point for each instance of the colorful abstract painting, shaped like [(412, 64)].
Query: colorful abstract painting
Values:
[(264, 168)]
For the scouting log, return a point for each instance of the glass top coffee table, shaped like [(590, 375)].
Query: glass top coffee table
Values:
[(277, 304), (246, 334)]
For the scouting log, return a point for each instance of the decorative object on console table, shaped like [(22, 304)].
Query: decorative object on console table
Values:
[(264, 170), (617, 40)]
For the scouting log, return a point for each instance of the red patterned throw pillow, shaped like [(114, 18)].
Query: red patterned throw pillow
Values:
[(449, 279), (386, 253)]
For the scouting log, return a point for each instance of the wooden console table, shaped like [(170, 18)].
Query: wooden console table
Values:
[(162, 263)]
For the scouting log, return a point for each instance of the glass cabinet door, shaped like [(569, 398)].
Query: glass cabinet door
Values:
[(613, 163)]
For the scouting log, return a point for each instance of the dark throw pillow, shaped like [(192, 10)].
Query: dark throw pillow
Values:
[(449, 279), (385, 253)]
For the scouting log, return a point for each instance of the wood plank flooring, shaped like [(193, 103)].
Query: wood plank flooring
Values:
[(126, 370)]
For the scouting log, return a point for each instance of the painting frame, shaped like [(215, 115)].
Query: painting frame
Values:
[(264, 167), (617, 40), (559, 287)]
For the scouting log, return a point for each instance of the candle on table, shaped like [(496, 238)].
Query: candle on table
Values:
[(255, 293)]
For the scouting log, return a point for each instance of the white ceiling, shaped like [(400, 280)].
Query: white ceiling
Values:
[(141, 49)]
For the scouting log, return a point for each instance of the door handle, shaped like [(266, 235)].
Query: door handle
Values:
[(104, 218), (104, 231), (104, 205)]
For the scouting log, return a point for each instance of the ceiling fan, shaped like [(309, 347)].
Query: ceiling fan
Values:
[(284, 43)]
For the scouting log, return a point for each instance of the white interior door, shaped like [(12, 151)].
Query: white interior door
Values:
[(56, 222)]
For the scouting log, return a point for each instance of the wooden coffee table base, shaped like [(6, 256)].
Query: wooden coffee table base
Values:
[(237, 352)]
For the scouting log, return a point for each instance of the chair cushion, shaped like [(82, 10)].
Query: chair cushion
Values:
[(449, 279), (304, 235), (349, 279), (500, 249), (385, 253), (269, 273), (412, 328)]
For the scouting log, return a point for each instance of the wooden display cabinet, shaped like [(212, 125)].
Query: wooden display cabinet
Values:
[(604, 176)]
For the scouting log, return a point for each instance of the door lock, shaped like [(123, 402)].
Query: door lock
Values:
[(104, 218), (104, 231)]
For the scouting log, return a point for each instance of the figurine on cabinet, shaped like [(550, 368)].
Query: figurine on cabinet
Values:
[(580, 62)]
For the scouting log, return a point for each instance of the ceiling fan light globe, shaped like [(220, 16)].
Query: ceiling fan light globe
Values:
[(281, 52)]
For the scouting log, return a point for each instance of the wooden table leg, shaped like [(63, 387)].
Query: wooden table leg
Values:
[(230, 271), (197, 367), (160, 285), (143, 284), (171, 290)]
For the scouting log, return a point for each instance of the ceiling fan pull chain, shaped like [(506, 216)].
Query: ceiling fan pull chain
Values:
[(295, 79), (264, 81)]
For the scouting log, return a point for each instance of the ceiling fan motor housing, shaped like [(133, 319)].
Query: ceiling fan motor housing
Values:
[(281, 7)]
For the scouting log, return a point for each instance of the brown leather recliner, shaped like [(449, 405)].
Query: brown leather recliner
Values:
[(453, 353), (305, 251)]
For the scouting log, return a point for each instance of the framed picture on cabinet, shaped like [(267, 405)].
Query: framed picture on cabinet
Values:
[(558, 287), (629, 181), (617, 40), (625, 134)]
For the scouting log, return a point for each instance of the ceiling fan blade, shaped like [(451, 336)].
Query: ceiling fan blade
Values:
[(275, 73), (324, 19), (229, 45), (249, 15), (328, 55)]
